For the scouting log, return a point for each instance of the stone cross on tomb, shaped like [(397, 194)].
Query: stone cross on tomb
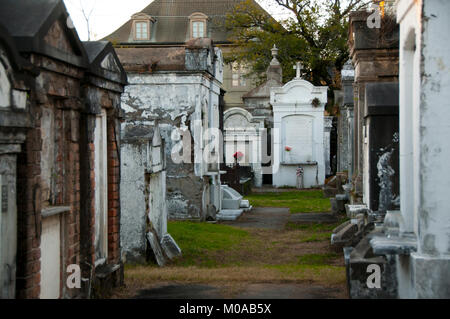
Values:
[(298, 67)]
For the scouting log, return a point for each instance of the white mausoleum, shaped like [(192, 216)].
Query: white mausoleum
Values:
[(242, 133), (298, 109)]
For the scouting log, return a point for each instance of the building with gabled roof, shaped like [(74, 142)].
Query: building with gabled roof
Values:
[(168, 23)]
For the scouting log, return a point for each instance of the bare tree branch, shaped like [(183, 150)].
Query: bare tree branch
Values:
[(87, 17)]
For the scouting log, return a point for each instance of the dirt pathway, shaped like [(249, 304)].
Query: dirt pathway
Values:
[(285, 257), (263, 218), (250, 291)]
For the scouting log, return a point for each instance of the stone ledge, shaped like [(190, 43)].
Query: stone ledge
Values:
[(354, 210), (55, 210), (382, 245)]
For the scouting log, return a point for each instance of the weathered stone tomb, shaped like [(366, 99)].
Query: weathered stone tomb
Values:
[(180, 87), (67, 193)]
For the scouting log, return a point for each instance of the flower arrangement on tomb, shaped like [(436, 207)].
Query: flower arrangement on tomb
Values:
[(315, 102), (238, 155), (288, 148)]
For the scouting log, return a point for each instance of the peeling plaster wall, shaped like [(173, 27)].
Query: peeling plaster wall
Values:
[(434, 130), (185, 100), (424, 132), (345, 120), (143, 196), (157, 202), (432, 263), (132, 201)]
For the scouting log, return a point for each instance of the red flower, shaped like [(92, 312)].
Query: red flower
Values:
[(238, 155), (288, 149)]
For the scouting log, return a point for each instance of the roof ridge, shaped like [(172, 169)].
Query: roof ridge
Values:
[(168, 7), (173, 15)]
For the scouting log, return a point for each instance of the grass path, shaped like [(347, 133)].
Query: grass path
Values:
[(232, 257), (228, 256), (305, 201)]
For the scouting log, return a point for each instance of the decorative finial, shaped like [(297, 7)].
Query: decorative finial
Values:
[(298, 66), (274, 51), (274, 54)]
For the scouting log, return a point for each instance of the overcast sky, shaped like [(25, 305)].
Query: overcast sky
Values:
[(108, 15)]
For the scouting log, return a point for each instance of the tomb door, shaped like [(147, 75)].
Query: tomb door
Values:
[(51, 222), (8, 227), (51, 257), (266, 156), (101, 188)]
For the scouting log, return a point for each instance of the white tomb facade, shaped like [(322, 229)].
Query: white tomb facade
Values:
[(242, 133), (298, 109)]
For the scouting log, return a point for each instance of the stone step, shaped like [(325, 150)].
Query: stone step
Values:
[(226, 218), (229, 214), (230, 198), (245, 203)]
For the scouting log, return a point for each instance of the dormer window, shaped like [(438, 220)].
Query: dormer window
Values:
[(198, 29), (141, 26), (198, 25), (141, 30)]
